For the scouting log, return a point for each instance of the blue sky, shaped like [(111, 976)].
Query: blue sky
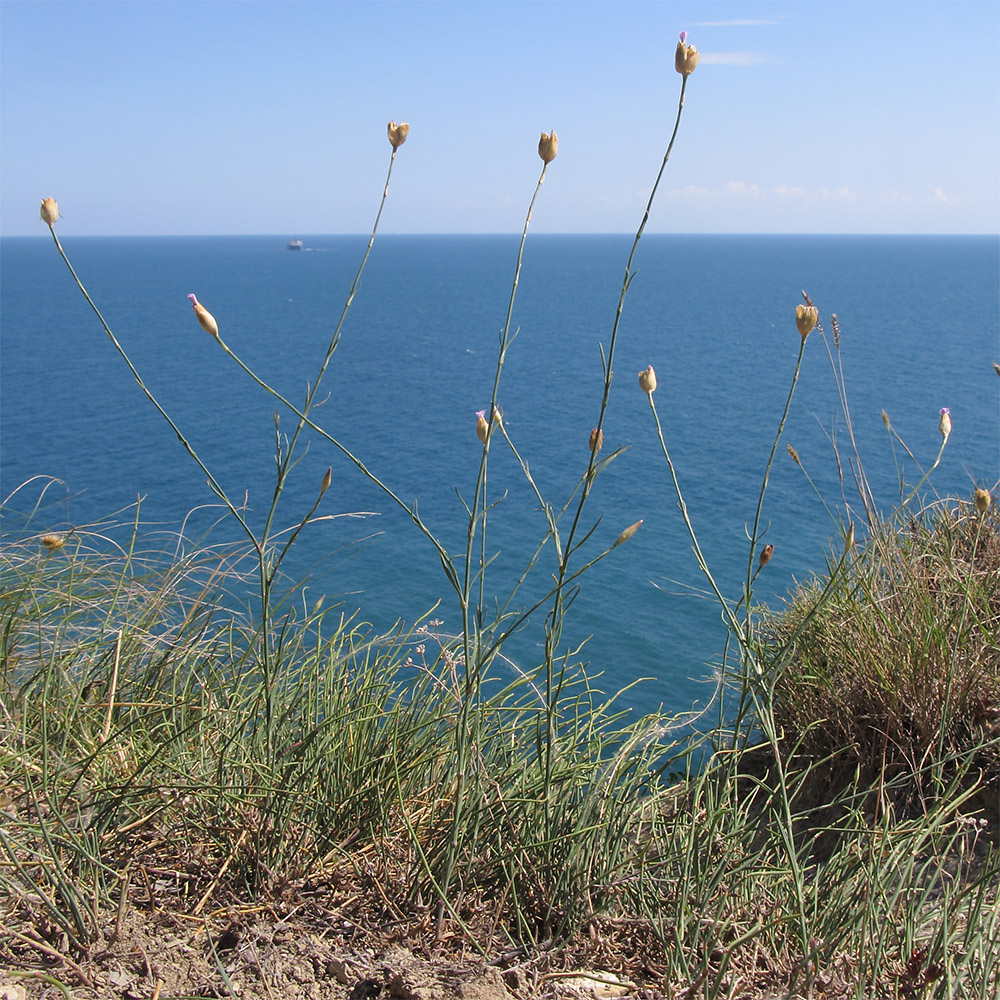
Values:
[(236, 117)]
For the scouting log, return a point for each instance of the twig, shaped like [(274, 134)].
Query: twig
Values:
[(52, 953), (222, 871), (114, 688)]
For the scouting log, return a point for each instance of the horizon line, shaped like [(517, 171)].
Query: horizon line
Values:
[(285, 236)]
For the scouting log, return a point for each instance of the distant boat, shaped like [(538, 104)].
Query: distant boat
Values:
[(295, 244)]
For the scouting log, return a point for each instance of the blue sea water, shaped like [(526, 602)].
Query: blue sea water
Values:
[(713, 314)]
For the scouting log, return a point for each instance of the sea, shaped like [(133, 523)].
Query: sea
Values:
[(80, 445)]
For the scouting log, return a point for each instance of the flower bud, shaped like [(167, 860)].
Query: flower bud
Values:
[(983, 500), (548, 146), (398, 133), (205, 318), (49, 211), (647, 380), (806, 317), (327, 479), (686, 57), (849, 541), (885, 420), (765, 555), (596, 440), (627, 534), (53, 542), (482, 428), (996, 367), (944, 424)]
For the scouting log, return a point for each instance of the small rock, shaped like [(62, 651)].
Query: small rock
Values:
[(337, 969), (485, 985), (598, 984)]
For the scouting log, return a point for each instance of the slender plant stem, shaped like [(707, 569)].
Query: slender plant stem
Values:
[(269, 567), (556, 616), (475, 662), (626, 284), (924, 477), (732, 620), (313, 391), (347, 453), (212, 481)]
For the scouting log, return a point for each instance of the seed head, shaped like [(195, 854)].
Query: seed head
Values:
[(53, 541), (548, 146), (686, 56), (647, 380), (806, 318), (205, 318), (944, 424), (794, 454), (765, 555), (983, 500), (482, 428), (627, 534), (398, 133), (49, 211), (327, 479), (596, 440)]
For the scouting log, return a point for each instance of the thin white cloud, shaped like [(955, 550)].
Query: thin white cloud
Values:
[(745, 22), (938, 197), (774, 193), (734, 59)]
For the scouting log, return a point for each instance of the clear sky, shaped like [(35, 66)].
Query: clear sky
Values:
[(238, 117)]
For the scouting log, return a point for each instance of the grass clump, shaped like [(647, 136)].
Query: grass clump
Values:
[(140, 770), (142, 791), (895, 677)]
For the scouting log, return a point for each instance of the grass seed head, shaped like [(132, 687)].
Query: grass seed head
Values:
[(806, 318), (548, 147), (627, 534), (685, 57), (205, 318), (49, 211), (944, 424), (398, 134)]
